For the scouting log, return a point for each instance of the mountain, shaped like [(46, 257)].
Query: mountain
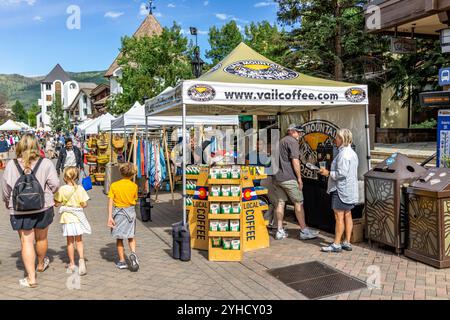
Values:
[(27, 89)]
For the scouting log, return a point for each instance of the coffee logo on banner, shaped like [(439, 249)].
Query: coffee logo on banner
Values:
[(261, 70), (355, 95), (202, 93), (317, 133)]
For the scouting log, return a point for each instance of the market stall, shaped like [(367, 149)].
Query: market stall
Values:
[(11, 125), (246, 82)]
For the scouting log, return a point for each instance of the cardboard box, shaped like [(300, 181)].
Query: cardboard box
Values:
[(358, 231)]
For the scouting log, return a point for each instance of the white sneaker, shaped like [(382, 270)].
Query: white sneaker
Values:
[(312, 231), (306, 234), (281, 234)]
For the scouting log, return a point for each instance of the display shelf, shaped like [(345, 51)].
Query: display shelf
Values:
[(259, 177), (224, 199), (227, 216), (192, 176), (262, 192), (220, 254), (224, 181), (253, 232), (224, 234), (190, 192)]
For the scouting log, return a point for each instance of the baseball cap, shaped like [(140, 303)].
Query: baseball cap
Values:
[(296, 128)]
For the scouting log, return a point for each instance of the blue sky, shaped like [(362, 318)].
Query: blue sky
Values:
[(34, 36)]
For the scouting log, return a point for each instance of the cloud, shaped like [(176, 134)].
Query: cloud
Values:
[(264, 4), (113, 14), (205, 3), (222, 16), (143, 11), (157, 14), (38, 19), (16, 2), (171, 5)]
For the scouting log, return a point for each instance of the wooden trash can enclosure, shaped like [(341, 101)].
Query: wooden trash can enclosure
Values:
[(385, 205), (429, 219)]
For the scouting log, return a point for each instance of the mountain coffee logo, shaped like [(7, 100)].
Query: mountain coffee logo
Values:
[(319, 134), (355, 95), (261, 70), (202, 92)]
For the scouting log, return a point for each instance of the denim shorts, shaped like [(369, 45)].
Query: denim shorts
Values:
[(337, 204)]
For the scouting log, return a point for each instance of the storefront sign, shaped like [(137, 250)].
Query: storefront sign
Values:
[(435, 99), (403, 45), (317, 133)]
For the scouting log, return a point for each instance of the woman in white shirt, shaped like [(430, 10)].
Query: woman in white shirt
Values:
[(343, 188)]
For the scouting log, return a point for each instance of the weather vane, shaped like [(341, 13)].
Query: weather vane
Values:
[(150, 7)]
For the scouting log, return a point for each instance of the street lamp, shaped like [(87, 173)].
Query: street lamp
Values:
[(197, 62)]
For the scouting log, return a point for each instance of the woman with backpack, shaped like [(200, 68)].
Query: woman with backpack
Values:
[(28, 186)]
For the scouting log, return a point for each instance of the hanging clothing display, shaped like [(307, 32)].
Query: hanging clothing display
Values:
[(158, 166)]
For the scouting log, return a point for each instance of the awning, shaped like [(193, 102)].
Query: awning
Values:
[(11, 125)]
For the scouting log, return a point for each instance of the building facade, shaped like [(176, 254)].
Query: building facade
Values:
[(57, 85)]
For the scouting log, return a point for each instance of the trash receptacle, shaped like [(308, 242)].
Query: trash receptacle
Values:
[(385, 205), (429, 219)]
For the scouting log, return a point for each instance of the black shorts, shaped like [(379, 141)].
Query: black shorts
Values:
[(337, 204), (33, 221)]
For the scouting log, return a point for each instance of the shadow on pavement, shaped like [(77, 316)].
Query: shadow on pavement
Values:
[(109, 253)]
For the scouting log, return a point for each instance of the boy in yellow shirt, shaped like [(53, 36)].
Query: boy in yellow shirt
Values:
[(123, 195)]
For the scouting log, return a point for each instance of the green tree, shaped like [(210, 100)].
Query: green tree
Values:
[(223, 41), (149, 65), (32, 114), (328, 39), (411, 74), (19, 112), (57, 120), (267, 40)]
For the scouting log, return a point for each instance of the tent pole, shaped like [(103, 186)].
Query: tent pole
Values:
[(368, 136), (126, 143), (148, 186), (184, 164), (169, 170)]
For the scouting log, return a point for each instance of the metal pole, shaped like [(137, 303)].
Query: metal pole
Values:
[(368, 135), (184, 164)]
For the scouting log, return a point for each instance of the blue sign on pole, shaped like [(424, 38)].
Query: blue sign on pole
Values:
[(444, 77), (443, 139)]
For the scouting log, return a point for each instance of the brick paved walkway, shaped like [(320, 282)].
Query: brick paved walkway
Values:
[(161, 277)]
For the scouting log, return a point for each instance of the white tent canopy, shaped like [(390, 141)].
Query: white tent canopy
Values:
[(24, 126), (84, 124), (11, 125), (135, 117), (102, 123)]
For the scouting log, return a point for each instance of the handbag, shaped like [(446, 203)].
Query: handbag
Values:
[(86, 182)]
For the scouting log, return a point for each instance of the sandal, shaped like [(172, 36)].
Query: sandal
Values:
[(46, 265), (25, 283), (70, 269)]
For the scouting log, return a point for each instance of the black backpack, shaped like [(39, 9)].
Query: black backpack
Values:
[(28, 194)]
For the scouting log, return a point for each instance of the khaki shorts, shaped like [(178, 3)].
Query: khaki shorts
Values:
[(288, 190)]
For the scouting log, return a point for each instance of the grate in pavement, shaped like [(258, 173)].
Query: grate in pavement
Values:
[(316, 280)]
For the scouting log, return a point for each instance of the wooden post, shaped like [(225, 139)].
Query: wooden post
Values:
[(169, 170)]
